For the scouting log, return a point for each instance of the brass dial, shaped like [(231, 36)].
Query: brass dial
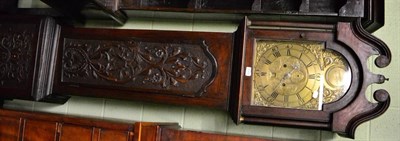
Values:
[(300, 75)]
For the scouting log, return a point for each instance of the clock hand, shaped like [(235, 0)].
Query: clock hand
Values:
[(295, 66), (287, 75)]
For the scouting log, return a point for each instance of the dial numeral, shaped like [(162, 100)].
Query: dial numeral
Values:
[(266, 61), (257, 72), (308, 89), (310, 64), (261, 87), (276, 52), (273, 96), (288, 52), (286, 100), (304, 50), (301, 100), (260, 73), (316, 76)]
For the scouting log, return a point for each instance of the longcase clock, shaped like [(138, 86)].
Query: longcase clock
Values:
[(308, 75)]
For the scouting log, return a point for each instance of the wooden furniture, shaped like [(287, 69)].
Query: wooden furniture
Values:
[(308, 74), (187, 68), (125, 64), (317, 70), (35, 126), (371, 10), (27, 54)]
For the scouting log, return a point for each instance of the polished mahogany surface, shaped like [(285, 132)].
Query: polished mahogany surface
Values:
[(36, 126)]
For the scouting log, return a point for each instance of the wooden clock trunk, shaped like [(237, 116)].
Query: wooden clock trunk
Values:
[(187, 68)]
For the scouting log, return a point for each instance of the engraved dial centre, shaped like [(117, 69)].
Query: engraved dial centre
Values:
[(291, 74)]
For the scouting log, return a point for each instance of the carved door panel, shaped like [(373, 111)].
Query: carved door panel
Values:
[(17, 56), (168, 67)]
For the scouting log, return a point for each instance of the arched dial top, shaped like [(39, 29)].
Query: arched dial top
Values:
[(297, 74)]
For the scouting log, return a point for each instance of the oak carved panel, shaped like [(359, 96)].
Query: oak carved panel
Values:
[(139, 65), (172, 67), (26, 56), (17, 56), (16, 53)]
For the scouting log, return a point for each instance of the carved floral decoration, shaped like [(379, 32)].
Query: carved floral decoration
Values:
[(15, 56), (139, 65)]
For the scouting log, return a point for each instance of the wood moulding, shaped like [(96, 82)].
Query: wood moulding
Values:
[(374, 15), (346, 120)]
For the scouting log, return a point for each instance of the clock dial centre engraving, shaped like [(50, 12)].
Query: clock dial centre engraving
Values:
[(289, 72)]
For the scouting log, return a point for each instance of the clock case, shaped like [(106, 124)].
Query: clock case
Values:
[(349, 39), (348, 36)]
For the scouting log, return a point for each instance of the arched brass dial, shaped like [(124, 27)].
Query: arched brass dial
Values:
[(301, 75)]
